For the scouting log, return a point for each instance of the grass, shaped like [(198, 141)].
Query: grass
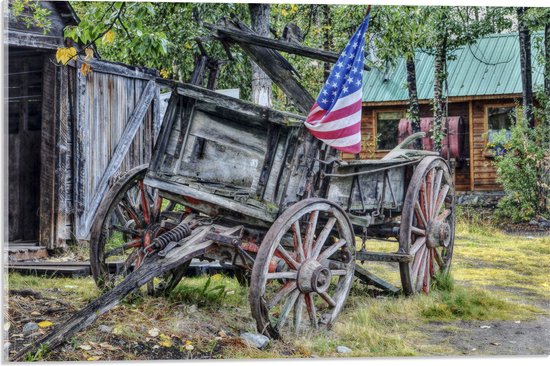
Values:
[(494, 277)]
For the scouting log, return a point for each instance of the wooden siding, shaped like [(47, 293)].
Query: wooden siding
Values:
[(106, 101), (477, 172)]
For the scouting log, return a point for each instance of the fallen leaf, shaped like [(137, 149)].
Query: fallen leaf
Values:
[(108, 346), (221, 333), (485, 326), (165, 341), (117, 330), (156, 346), (35, 313), (7, 326), (45, 324), (85, 347), (153, 332), (93, 358)]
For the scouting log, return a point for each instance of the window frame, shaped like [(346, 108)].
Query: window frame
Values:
[(486, 119), (375, 123)]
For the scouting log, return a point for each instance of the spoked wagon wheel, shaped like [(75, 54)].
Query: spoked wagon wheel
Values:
[(128, 219), (427, 225), (304, 267)]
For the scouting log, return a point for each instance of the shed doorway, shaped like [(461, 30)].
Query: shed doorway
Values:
[(25, 79)]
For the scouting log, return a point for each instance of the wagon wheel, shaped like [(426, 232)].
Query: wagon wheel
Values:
[(427, 225), (128, 218), (304, 266)]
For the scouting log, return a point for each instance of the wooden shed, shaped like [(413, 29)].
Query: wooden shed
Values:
[(484, 86), (69, 134)]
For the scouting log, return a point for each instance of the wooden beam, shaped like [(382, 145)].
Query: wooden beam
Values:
[(120, 69), (471, 143), (16, 38), (233, 35), (134, 123)]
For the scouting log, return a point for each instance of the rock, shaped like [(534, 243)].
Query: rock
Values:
[(30, 327), (105, 328), (256, 340), (343, 349), (533, 222)]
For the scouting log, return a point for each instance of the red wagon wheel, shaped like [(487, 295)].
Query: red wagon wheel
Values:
[(127, 220), (427, 225), (304, 268)]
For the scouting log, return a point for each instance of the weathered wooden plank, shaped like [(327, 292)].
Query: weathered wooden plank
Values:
[(23, 39), (371, 279), (227, 34), (383, 257), (134, 122), (120, 69), (246, 109)]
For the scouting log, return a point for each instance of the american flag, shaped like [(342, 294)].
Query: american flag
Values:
[(335, 118)]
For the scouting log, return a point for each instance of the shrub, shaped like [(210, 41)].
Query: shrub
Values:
[(524, 171)]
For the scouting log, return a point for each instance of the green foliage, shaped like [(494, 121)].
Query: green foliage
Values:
[(31, 14), (523, 170), (38, 355), (211, 292)]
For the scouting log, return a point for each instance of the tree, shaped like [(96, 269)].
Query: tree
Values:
[(525, 61), (261, 84), (440, 75)]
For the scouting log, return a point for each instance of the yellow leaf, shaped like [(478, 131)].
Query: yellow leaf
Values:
[(85, 69), (89, 54), (284, 12), (164, 73), (45, 324), (165, 341), (65, 54), (109, 37), (187, 45), (93, 358)]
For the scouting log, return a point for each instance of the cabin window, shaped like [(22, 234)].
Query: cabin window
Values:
[(387, 129), (500, 120)]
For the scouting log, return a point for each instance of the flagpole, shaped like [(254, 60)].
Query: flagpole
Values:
[(357, 156)]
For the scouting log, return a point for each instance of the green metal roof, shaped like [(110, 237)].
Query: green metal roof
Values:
[(490, 66)]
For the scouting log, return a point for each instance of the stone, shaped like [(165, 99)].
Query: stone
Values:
[(105, 328), (343, 349), (533, 222), (256, 340), (30, 327)]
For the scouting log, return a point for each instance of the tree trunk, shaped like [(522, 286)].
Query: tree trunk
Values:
[(440, 73), (327, 38), (414, 107), (525, 61), (261, 84), (547, 69)]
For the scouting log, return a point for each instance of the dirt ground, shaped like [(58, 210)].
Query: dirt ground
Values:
[(213, 331)]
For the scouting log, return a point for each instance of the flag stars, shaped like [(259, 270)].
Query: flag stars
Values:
[(354, 70), (358, 82), (325, 101), (334, 93), (337, 75), (325, 92), (344, 89), (355, 44), (334, 85), (340, 64)]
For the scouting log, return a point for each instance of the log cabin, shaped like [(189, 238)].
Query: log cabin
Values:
[(64, 132), (484, 87)]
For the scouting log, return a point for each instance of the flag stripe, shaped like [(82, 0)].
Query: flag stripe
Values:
[(335, 118)]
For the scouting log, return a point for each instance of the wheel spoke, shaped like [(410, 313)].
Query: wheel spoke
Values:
[(329, 300), (312, 225), (419, 243), (322, 238), (430, 198), (281, 275), (129, 208), (298, 308), (145, 205), (281, 252), (331, 250), (420, 214), (424, 201), (287, 308), (299, 247), (311, 310), (438, 258), (422, 271), (417, 261), (441, 198), (437, 187), (120, 250), (284, 291), (418, 231), (444, 215)]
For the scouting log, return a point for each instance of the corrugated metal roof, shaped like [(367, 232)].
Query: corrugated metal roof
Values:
[(490, 66)]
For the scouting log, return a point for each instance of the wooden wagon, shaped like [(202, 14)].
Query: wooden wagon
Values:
[(243, 184)]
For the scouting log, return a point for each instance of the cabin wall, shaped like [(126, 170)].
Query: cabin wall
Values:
[(368, 130)]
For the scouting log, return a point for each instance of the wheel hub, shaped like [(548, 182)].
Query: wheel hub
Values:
[(313, 277), (438, 234)]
